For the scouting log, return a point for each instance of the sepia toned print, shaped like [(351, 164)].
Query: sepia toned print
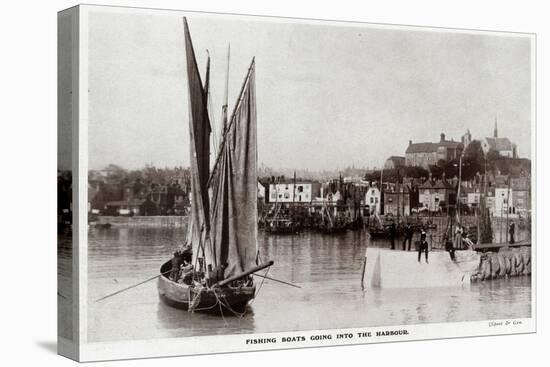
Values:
[(251, 176)]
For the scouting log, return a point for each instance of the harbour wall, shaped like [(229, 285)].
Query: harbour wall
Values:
[(144, 221), (385, 268)]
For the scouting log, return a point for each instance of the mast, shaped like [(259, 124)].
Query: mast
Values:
[(207, 77), (231, 120), (293, 216), (477, 211), (507, 209), (225, 99), (397, 191), (459, 189), (226, 92)]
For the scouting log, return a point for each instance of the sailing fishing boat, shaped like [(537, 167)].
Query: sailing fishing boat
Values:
[(222, 232), (377, 229)]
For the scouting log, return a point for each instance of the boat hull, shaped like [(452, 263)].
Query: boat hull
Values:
[(224, 300), (401, 269)]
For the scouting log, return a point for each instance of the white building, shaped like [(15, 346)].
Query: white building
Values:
[(503, 198), (261, 192), (474, 198), (303, 192), (372, 200)]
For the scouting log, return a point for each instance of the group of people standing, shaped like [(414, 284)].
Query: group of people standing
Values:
[(408, 237), (461, 239)]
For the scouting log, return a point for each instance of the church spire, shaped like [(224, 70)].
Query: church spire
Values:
[(495, 133)]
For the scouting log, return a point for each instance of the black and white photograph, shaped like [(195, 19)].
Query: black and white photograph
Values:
[(277, 183)]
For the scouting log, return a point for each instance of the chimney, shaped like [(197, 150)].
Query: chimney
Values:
[(442, 137), (410, 142)]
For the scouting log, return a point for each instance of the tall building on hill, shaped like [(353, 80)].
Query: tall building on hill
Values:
[(466, 138), (428, 154), (502, 146)]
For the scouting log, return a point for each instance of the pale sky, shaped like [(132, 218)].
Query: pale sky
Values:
[(329, 95)]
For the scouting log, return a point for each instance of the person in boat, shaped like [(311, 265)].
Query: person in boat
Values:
[(181, 255), (409, 231), (393, 232), (423, 245), (185, 274), (512, 231)]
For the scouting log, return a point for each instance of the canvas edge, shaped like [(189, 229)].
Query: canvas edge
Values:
[(85, 352)]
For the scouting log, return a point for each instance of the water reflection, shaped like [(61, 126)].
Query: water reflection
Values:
[(328, 268)]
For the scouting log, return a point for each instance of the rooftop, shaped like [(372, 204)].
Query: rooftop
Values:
[(499, 144)]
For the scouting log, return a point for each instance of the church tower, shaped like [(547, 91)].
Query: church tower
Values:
[(467, 138), (495, 133)]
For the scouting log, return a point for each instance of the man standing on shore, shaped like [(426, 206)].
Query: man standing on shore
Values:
[(393, 232), (458, 236), (408, 237), (423, 245)]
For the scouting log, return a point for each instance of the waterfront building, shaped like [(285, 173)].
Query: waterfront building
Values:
[(429, 154), (397, 201), (288, 192), (434, 195), (512, 199), (470, 196), (372, 200), (503, 200), (474, 198), (521, 200)]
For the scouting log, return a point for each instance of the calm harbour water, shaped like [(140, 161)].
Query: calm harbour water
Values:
[(327, 267)]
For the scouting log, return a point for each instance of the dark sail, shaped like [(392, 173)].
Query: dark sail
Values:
[(199, 141), (234, 187)]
